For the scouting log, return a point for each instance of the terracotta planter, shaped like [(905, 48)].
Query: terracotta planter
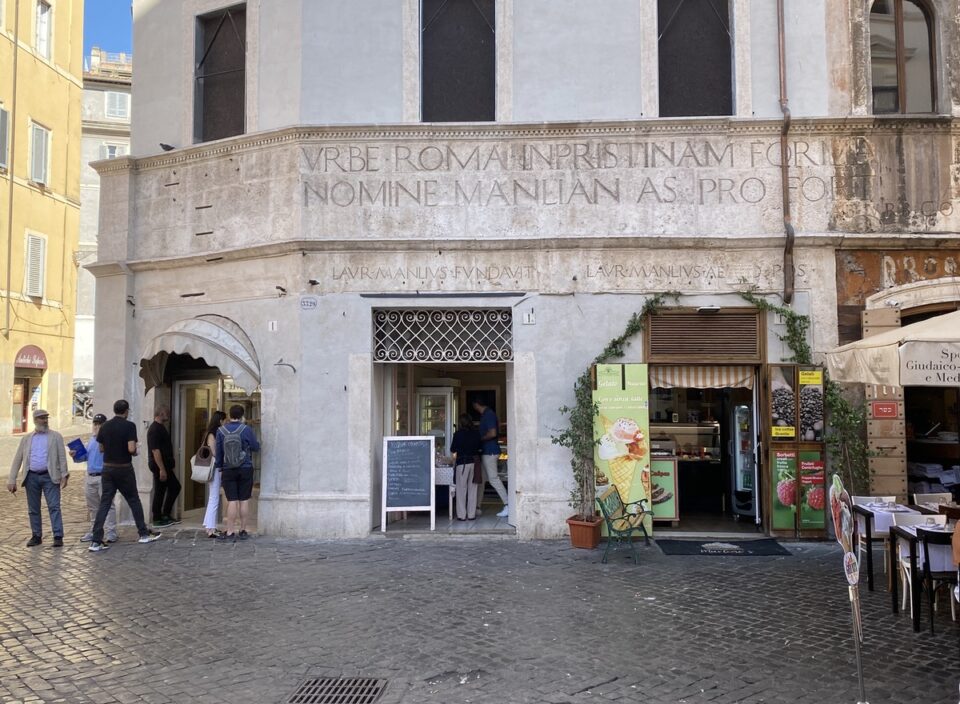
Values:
[(584, 534)]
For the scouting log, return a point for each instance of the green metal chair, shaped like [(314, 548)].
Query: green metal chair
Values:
[(623, 521)]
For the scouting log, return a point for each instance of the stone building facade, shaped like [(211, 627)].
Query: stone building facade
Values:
[(289, 250), (105, 134)]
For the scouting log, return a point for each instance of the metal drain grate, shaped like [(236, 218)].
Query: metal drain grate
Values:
[(338, 690)]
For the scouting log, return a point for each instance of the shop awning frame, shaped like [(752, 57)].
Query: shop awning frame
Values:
[(217, 340), (689, 376)]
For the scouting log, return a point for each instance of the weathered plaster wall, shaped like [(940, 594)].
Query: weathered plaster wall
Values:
[(576, 61)]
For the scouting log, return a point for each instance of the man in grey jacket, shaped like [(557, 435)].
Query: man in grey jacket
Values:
[(43, 459)]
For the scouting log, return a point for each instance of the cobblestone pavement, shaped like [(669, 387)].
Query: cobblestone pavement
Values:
[(187, 620)]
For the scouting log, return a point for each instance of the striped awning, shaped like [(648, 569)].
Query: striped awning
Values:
[(701, 377)]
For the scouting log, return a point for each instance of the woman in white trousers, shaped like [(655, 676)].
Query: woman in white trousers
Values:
[(213, 498)]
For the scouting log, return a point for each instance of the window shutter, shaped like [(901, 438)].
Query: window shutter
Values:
[(688, 336), (4, 140), (118, 105), (38, 160), (36, 259), (104, 151)]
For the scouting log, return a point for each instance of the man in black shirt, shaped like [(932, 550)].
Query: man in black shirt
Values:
[(118, 442), (166, 486)]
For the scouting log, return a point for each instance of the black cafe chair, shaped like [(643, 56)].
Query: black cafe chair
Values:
[(933, 581)]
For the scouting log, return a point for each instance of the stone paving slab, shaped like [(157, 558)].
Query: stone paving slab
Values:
[(188, 620)]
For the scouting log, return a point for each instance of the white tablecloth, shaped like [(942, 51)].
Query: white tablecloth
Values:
[(882, 520), (941, 556)]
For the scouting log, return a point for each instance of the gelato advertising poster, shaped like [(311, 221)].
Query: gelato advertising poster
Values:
[(813, 480), (622, 431), (784, 489), (663, 489)]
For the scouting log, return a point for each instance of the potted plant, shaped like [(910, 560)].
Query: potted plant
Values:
[(578, 437)]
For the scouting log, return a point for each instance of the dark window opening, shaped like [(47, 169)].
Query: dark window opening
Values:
[(696, 72), (221, 74), (458, 60), (901, 57)]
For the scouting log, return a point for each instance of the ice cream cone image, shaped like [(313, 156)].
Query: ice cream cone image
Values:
[(622, 470)]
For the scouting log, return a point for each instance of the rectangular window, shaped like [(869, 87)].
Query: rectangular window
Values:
[(117, 105), (35, 266), (39, 153), (219, 96), (458, 60), (4, 138), (43, 27), (112, 151)]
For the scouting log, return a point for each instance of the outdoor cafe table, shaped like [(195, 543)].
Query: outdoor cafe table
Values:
[(952, 512), (941, 561), (877, 520)]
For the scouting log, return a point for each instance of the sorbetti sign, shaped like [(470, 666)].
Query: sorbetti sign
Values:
[(930, 364)]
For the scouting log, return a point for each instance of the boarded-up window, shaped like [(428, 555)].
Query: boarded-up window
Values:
[(35, 265), (221, 74), (696, 74), (458, 54)]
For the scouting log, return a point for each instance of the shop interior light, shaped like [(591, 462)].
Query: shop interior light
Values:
[(708, 309)]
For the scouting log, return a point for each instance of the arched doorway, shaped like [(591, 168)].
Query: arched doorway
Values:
[(30, 363)]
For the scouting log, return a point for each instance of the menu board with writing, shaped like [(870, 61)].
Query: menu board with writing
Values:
[(408, 471)]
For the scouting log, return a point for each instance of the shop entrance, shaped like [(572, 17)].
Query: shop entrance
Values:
[(429, 399), (30, 363), (709, 436)]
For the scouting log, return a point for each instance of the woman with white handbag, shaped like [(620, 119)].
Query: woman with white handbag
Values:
[(205, 456)]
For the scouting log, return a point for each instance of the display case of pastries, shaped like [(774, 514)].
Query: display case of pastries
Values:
[(686, 441)]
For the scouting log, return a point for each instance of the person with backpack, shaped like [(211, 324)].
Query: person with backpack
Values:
[(236, 442)]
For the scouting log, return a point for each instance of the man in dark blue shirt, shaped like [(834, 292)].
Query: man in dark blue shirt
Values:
[(234, 460), (489, 431)]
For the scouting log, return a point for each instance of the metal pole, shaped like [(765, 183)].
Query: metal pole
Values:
[(857, 637)]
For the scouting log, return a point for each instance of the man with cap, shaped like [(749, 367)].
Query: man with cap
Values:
[(43, 458), (93, 488)]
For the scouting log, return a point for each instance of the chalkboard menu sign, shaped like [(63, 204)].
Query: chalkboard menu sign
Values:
[(408, 475)]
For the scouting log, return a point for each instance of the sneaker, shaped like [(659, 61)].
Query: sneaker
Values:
[(98, 547), (171, 521), (112, 538), (227, 537), (57, 541), (243, 535), (161, 522), (88, 538), (149, 537), (34, 541), (504, 513)]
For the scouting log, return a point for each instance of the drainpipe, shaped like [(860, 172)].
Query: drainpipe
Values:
[(788, 270), (11, 168)]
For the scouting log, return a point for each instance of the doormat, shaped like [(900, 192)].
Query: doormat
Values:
[(739, 548)]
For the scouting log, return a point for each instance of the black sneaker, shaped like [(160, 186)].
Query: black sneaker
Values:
[(161, 523), (57, 542), (171, 521), (98, 547), (34, 541), (227, 538), (244, 535)]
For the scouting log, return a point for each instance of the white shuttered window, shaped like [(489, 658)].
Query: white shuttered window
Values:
[(118, 105), (36, 266), (4, 138), (39, 153), (43, 24)]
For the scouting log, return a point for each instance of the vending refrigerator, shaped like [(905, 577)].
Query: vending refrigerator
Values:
[(744, 462), (436, 415)]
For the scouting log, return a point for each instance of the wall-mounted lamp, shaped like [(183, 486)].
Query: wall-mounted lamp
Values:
[(282, 290), (313, 282)]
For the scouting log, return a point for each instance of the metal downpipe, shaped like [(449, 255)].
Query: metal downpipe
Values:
[(788, 229), (11, 169)]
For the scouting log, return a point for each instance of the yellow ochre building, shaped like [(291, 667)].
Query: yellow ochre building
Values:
[(41, 68)]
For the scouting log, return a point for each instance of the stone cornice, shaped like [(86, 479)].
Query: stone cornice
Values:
[(279, 249), (635, 129)]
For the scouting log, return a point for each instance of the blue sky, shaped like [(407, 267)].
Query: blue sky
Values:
[(108, 25)]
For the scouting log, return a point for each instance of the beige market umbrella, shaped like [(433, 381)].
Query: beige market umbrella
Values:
[(922, 354)]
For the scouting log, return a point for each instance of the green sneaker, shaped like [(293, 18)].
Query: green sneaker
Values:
[(161, 522)]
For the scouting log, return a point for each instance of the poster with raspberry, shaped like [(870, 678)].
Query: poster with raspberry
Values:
[(813, 493), (785, 494)]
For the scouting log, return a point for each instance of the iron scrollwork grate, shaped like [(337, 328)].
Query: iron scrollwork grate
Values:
[(443, 335)]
